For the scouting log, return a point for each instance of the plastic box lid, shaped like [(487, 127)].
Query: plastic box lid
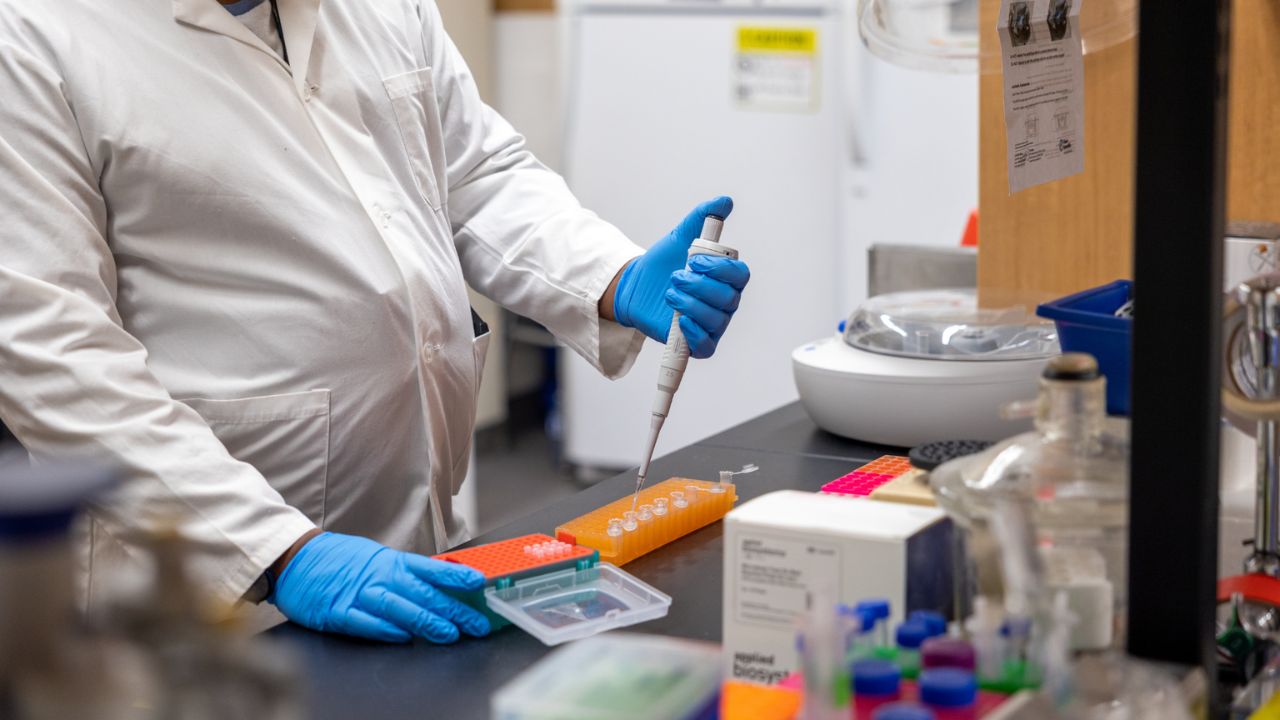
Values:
[(574, 604), (621, 676)]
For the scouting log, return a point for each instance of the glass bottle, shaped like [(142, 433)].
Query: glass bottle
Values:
[(1071, 477)]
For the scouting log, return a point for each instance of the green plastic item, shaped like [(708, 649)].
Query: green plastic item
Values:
[(1018, 675), (910, 667), (617, 675), (885, 653), (842, 692)]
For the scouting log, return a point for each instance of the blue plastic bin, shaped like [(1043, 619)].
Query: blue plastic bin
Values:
[(1087, 323)]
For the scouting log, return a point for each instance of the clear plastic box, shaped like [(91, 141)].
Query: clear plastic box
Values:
[(574, 604), (621, 676)]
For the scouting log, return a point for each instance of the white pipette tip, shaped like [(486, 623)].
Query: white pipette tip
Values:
[(635, 498)]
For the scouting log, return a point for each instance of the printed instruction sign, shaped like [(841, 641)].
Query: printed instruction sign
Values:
[(775, 576), (1043, 89), (777, 69)]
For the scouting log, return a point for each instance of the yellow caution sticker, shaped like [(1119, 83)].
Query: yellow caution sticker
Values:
[(777, 69), (778, 40)]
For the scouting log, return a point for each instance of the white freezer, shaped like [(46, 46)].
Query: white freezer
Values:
[(656, 124)]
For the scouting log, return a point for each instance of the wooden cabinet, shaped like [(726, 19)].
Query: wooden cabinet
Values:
[(1065, 236)]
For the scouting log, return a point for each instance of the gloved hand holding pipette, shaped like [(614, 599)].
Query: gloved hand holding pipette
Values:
[(704, 289), (683, 291)]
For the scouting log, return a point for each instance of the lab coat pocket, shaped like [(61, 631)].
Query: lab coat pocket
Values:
[(413, 99), (285, 437), (479, 352)]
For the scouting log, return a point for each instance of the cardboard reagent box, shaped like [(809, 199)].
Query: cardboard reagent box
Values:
[(783, 546)]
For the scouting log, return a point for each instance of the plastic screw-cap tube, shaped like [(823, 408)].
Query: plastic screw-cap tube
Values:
[(948, 688), (876, 678), (878, 610), (877, 607), (933, 621), (947, 653), (903, 711), (911, 635)]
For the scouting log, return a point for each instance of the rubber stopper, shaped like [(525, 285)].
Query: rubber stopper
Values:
[(1073, 367)]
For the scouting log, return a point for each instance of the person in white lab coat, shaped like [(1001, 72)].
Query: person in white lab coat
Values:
[(233, 254)]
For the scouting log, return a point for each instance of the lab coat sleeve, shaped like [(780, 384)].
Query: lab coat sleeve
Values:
[(522, 237), (74, 383)]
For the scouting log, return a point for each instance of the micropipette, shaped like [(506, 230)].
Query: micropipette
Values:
[(676, 355)]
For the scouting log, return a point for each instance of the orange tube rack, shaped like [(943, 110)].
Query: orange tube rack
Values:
[(669, 510)]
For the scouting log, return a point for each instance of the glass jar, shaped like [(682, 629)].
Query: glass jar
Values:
[(1070, 477)]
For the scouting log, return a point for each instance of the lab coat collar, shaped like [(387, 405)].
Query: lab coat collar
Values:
[(298, 17)]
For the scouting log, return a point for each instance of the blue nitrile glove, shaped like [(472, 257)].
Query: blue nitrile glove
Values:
[(706, 294), (352, 585)]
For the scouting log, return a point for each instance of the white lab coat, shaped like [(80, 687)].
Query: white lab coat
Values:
[(245, 285)]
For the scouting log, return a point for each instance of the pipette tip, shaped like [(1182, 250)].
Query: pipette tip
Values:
[(635, 498)]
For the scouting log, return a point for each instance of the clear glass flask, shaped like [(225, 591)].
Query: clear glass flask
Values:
[(1071, 475)]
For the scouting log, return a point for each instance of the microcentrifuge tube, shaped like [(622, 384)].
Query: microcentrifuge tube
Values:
[(646, 512), (660, 506), (615, 527), (677, 499), (629, 521)]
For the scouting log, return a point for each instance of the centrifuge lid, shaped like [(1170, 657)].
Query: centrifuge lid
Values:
[(949, 325), (942, 35)]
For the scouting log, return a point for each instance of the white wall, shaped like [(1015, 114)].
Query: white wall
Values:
[(527, 82), (470, 25), (528, 92)]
